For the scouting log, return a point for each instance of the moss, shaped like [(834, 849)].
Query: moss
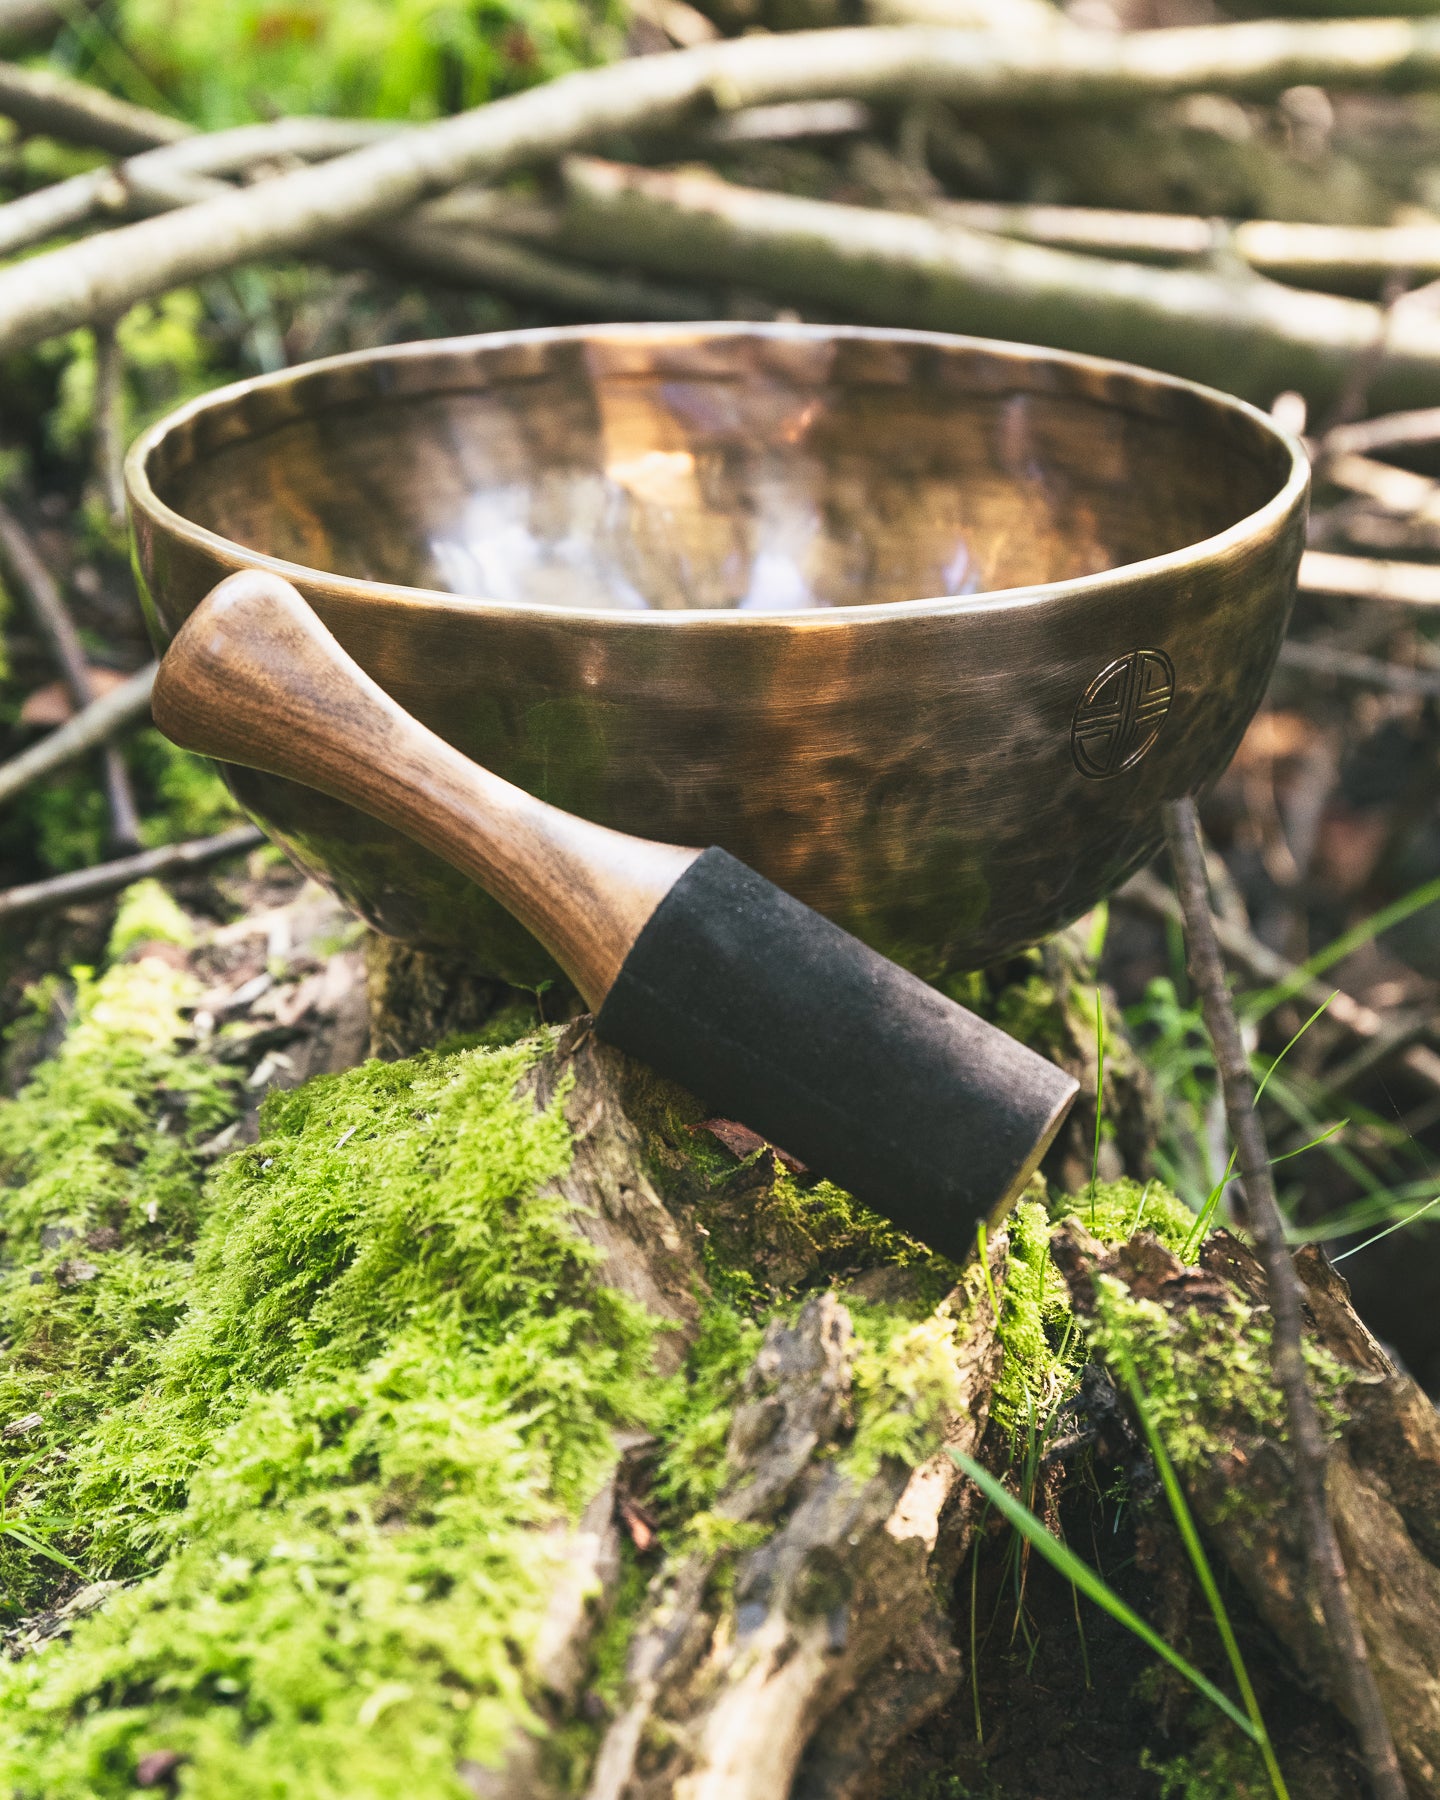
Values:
[(1043, 1347), (147, 915), (101, 1205), (1222, 1771), (1206, 1374), (1116, 1211), (764, 1243), (375, 1364), (905, 1383), (691, 1467)]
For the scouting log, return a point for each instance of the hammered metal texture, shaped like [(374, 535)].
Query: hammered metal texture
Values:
[(922, 628)]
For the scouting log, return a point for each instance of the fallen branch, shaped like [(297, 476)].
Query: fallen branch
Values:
[(1393, 432), (1368, 671), (1251, 336), (22, 563), (56, 106), (652, 94), (26, 23), (91, 727), (1369, 578), (503, 266), (109, 878), (1358, 1692), (1339, 258), (152, 181)]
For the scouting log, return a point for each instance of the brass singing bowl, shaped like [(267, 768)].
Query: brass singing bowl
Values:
[(923, 628)]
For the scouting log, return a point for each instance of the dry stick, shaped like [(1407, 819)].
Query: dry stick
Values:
[(94, 725), (1370, 671), (50, 210), (1369, 578), (1350, 258), (1234, 329), (1355, 1678), (25, 24), (473, 259), (58, 106), (109, 431), (1393, 432), (307, 207), (147, 182), (109, 878), (21, 561)]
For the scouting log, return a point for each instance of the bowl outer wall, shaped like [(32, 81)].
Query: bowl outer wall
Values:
[(908, 769)]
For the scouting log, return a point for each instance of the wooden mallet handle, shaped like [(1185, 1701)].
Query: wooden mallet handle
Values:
[(253, 677)]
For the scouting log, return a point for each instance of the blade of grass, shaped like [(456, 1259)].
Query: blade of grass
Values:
[(1256, 1006), (1207, 1211), (1190, 1537), (1399, 1225), (1094, 1586), (1099, 1096), (1314, 1143)]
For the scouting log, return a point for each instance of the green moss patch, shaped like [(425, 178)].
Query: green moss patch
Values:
[(317, 1412)]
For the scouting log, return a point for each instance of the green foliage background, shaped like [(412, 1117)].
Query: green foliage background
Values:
[(225, 64)]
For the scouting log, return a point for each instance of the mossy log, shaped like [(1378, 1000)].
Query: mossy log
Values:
[(487, 1426)]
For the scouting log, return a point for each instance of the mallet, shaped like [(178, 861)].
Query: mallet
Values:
[(690, 960)]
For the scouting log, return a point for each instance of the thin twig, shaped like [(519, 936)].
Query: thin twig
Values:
[(1393, 432), (58, 106), (1355, 1677), (109, 412), (21, 561), (94, 725), (109, 878)]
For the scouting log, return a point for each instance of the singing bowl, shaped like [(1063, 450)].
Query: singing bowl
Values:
[(923, 628)]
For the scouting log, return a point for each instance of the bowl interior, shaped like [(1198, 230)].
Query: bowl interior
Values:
[(716, 470)]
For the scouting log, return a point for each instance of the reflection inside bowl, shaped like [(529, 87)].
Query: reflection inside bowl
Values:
[(744, 487)]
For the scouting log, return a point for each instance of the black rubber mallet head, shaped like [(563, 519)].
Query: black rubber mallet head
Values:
[(690, 960)]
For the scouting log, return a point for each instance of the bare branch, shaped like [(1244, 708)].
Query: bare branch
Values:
[(471, 259), (1249, 335), (1369, 578), (109, 412), (1358, 1695), (152, 181), (22, 563), (656, 93), (94, 725), (56, 106), (109, 878), (1338, 258)]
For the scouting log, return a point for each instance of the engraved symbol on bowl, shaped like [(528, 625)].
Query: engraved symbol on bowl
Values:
[(1121, 712)]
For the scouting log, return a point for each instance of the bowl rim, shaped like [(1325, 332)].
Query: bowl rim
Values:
[(142, 498)]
